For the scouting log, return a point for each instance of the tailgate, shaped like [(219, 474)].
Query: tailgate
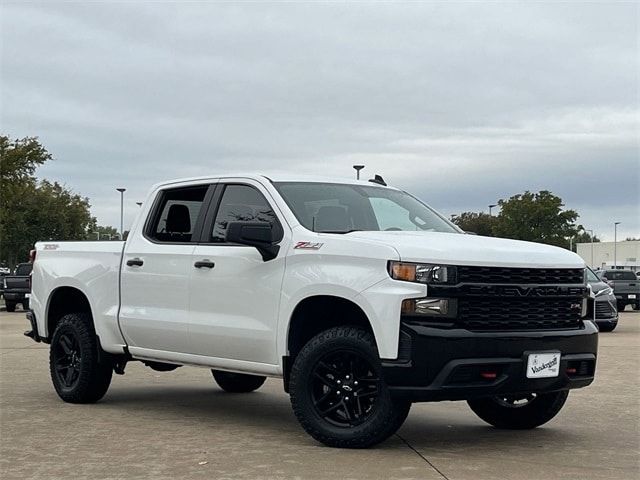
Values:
[(625, 286), (17, 283)]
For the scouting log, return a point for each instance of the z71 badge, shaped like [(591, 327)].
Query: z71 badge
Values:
[(308, 245)]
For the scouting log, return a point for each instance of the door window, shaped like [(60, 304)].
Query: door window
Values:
[(176, 215), (242, 203)]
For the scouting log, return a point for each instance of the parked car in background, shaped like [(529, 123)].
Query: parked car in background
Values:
[(2, 275), (626, 287), (606, 311), (17, 287)]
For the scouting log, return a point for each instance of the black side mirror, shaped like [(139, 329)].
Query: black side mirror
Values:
[(254, 234)]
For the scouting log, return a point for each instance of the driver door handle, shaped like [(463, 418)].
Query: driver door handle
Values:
[(204, 264), (135, 262)]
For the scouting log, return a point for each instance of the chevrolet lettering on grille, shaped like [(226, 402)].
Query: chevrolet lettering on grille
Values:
[(523, 291)]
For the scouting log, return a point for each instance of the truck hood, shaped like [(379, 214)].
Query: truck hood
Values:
[(463, 249)]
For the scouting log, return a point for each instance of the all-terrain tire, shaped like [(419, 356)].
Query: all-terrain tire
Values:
[(74, 346), (237, 382), (11, 306), (537, 412), (382, 416)]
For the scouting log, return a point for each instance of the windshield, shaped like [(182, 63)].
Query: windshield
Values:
[(342, 208), (619, 275), (592, 277)]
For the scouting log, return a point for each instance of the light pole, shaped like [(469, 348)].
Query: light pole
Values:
[(490, 207), (615, 245), (357, 168), (121, 190), (591, 234)]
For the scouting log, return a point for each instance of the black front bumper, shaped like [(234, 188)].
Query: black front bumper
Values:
[(455, 364)]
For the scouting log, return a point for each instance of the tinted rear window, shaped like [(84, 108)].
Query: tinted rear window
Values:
[(24, 269), (620, 275)]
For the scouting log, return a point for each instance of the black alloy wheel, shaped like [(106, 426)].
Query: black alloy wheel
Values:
[(338, 391), (344, 388), (67, 359)]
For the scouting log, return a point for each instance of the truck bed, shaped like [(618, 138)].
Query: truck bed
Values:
[(80, 265)]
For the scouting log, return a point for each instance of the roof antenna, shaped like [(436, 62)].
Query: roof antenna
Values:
[(379, 180)]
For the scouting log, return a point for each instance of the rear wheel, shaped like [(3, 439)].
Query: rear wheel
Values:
[(338, 393), (636, 306), (25, 304), (11, 306), (519, 412), (621, 306), (76, 372), (237, 382)]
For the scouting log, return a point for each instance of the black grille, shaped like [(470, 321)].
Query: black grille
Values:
[(604, 310), (482, 314), (549, 276)]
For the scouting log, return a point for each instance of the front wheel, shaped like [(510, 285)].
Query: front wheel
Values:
[(338, 393), (237, 382), (76, 372), (519, 412)]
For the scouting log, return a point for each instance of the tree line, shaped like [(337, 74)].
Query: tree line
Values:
[(535, 217)]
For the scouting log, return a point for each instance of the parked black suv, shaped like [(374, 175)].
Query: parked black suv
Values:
[(17, 287), (626, 287)]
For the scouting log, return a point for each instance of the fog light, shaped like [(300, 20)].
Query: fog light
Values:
[(433, 307)]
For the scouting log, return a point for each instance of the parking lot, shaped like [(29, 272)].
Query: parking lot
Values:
[(180, 425)]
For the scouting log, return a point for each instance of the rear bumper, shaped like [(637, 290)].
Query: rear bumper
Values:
[(14, 296), (439, 364)]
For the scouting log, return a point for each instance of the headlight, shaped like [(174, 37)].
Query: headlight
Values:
[(423, 273), (606, 291)]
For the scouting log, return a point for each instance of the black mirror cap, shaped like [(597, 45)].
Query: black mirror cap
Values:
[(254, 234)]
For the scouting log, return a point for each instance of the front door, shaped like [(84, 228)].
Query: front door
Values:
[(235, 295)]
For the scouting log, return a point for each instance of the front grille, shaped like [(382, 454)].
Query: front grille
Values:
[(498, 313), (502, 275), (604, 310)]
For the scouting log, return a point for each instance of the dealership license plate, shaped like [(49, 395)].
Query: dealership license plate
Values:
[(632, 295), (543, 365)]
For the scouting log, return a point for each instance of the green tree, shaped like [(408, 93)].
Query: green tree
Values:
[(32, 210), (479, 223), (537, 217)]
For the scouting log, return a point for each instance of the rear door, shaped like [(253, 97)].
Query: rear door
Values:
[(156, 266), (235, 300)]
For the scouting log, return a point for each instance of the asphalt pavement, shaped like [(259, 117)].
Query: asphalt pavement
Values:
[(180, 425)]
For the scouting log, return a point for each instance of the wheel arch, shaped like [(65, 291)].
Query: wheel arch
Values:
[(64, 300)]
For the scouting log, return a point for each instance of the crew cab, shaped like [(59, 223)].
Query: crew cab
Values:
[(359, 296)]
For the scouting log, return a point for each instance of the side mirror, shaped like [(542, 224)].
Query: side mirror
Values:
[(254, 234)]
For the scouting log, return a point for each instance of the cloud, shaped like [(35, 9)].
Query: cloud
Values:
[(460, 103)]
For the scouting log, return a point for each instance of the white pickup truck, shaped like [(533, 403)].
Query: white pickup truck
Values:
[(362, 298)]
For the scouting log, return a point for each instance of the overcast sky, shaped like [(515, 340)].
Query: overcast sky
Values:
[(459, 103)]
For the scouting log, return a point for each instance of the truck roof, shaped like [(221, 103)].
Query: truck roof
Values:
[(275, 177)]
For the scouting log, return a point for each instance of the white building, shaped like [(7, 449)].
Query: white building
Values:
[(601, 254)]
